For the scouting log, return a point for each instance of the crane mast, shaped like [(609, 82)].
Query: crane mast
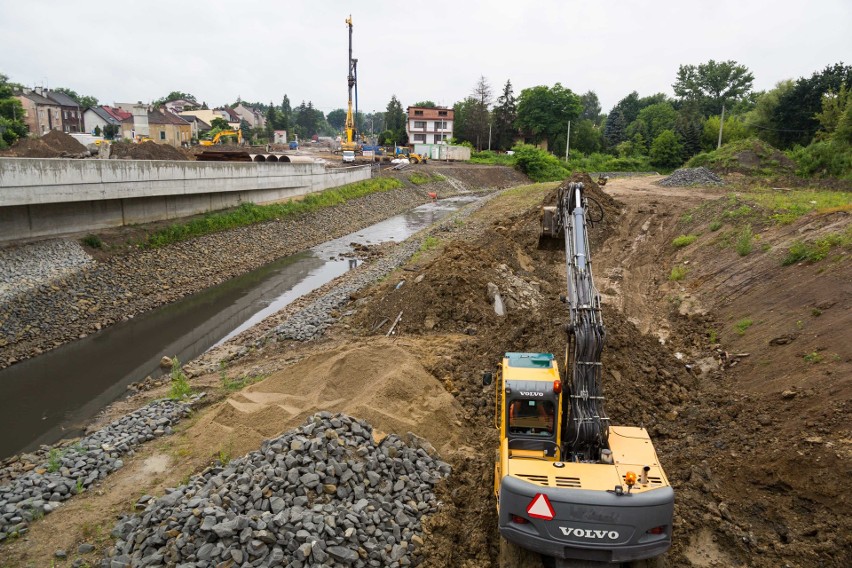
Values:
[(352, 81), (588, 426)]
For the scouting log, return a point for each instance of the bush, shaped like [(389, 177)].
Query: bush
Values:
[(821, 159), (492, 158), (744, 241), (93, 241), (598, 162), (666, 150), (539, 165), (818, 249), (684, 240), (678, 273)]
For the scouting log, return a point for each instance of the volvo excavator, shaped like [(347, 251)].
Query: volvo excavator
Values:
[(569, 486)]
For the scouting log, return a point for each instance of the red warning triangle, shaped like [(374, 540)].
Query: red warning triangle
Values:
[(540, 508)]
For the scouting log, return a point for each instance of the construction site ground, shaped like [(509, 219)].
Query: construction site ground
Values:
[(751, 422)]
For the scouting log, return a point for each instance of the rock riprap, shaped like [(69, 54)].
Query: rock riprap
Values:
[(74, 469), (325, 494), (691, 176)]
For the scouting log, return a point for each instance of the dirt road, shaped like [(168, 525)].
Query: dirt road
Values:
[(754, 437)]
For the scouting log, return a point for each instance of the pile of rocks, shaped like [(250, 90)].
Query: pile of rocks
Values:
[(74, 469), (326, 494), (691, 176), (27, 267)]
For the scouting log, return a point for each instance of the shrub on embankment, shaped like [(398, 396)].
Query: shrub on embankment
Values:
[(250, 213)]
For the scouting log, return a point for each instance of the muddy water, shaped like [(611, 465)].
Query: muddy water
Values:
[(52, 396)]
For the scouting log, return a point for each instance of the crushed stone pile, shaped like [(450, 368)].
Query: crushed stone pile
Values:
[(32, 494), (691, 176), (325, 494)]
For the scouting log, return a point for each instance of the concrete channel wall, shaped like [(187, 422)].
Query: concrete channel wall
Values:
[(54, 197)]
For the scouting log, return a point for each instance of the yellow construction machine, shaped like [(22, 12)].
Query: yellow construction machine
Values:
[(570, 486), (238, 134), (351, 143)]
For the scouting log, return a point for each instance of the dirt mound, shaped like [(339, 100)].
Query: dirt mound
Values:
[(748, 157), (54, 144), (379, 382), (475, 176), (145, 151)]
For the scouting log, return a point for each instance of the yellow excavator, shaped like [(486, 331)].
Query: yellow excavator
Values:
[(570, 486), (238, 134)]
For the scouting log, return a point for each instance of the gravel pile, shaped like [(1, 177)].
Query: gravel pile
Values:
[(74, 469), (691, 176), (56, 258), (325, 494)]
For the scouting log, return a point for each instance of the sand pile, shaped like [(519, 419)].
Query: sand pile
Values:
[(146, 151), (54, 144)]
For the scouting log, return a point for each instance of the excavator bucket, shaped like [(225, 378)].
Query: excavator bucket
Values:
[(550, 235)]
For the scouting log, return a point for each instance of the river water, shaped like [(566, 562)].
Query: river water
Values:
[(54, 395)]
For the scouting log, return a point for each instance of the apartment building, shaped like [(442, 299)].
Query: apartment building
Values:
[(429, 125)]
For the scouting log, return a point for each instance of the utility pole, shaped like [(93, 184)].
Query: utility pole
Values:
[(489, 137), (721, 124), (568, 141)]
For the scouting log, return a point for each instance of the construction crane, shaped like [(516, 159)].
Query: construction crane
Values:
[(569, 485), (352, 80)]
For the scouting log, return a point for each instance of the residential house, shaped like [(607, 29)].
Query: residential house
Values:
[(180, 105), (429, 125), (72, 112), (103, 116), (163, 127), (41, 114), (198, 126), (232, 117), (137, 124), (254, 117), (208, 116)]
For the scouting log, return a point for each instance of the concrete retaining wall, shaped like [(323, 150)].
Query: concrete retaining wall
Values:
[(42, 198)]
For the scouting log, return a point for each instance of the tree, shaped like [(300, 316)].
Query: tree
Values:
[(713, 84), (615, 129), (629, 107), (666, 150), (544, 112), (96, 131), (658, 117), (337, 119), (245, 129), (12, 124), (464, 129), (760, 120), (794, 116), (734, 129), (395, 121), (480, 118), (586, 137), (689, 127), (505, 114), (83, 101), (173, 96), (111, 131), (591, 107), (425, 104), (220, 123)]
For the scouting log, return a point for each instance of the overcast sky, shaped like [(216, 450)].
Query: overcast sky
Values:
[(258, 50)]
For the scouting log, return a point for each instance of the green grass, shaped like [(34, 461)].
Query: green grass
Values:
[(678, 273), (438, 177), (179, 384), (492, 158), (429, 243), (744, 244), (715, 225), (818, 249), (250, 214), (54, 460), (784, 207), (813, 358), (240, 383), (713, 336), (684, 240), (419, 179), (93, 241), (742, 325)]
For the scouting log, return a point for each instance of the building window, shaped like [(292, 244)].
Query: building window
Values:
[(420, 124), (440, 138), (418, 113), (162, 134), (440, 125), (420, 138), (442, 113)]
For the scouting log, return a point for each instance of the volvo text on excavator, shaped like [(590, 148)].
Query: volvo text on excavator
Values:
[(569, 485)]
